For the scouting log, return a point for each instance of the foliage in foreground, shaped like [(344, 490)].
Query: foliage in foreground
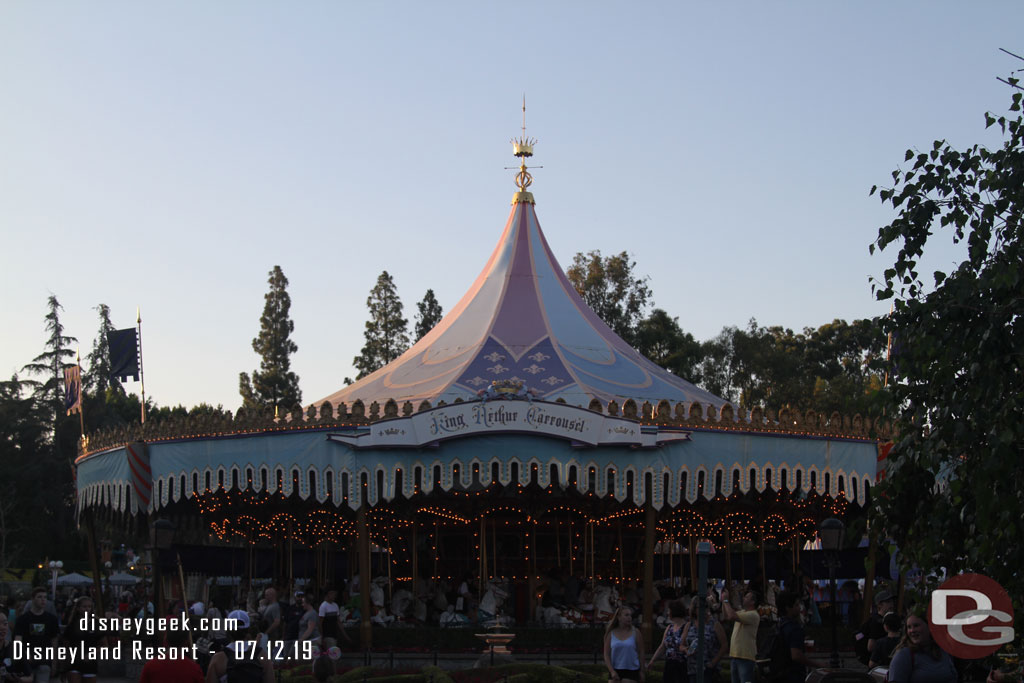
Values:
[(953, 496)]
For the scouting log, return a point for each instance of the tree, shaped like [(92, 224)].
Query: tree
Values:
[(429, 314), (274, 384), (953, 495), (609, 286), (717, 368), (24, 453), (659, 338), (98, 378), (50, 364), (386, 332)]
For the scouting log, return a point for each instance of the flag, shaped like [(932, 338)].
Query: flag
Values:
[(142, 475), (124, 354), (73, 389)]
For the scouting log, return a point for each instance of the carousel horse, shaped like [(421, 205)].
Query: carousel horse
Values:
[(553, 616), (379, 614), (452, 619), (606, 601), (401, 601), (487, 612)]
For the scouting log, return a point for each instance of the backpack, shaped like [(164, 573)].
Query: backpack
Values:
[(243, 670), (780, 660)]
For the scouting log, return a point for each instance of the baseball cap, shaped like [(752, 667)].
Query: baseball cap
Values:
[(883, 596), (242, 618)]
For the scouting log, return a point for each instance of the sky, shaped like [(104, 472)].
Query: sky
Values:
[(167, 155)]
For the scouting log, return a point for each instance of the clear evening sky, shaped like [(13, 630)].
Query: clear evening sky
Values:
[(168, 154)]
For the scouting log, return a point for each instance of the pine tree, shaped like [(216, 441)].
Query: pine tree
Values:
[(273, 384), (98, 378), (51, 363), (386, 333), (429, 315)]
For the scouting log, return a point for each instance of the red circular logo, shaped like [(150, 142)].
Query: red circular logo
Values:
[(970, 616)]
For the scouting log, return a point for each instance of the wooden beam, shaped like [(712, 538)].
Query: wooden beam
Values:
[(648, 575)]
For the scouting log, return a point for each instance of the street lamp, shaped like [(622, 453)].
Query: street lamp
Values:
[(55, 567), (831, 532), (161, 536)]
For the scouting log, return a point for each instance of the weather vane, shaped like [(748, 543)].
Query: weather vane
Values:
[(523, 148)]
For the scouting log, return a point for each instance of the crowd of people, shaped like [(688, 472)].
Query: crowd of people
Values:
[(249, 628)]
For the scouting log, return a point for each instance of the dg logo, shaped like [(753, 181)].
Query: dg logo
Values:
[(970, 616)]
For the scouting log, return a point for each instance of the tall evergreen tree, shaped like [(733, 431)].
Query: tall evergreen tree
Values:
[(273, 384), (50, 363), (429, 315), (386, 334), (98, 378)]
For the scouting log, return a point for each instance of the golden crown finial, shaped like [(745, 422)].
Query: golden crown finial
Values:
[(522, 147)]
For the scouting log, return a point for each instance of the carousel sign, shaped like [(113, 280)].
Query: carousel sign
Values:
[(583, 427)]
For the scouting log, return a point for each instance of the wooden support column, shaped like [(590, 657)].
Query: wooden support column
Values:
[(728, 562), (415, 559), (531, 573), (365, 626), (648, 575), (693, 564), (764, 567)]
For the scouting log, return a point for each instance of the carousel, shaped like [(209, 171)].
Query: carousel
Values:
[(520, 443)]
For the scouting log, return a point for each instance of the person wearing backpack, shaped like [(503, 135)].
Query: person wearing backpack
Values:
[(791, 663)]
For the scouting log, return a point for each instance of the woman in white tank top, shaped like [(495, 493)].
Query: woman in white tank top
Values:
[(622, 647)]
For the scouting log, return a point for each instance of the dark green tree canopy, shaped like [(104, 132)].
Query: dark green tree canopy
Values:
[(51, 362), (386, 333), (429, 314), (98, 378), (613, 291), (274, 384), (953, 495), (660, 338)]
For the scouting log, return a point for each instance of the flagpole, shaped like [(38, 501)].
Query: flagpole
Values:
[(81, 403), (142, 375)]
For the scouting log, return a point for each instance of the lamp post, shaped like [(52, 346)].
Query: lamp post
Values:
[(831, 532), (161, 536), (55, 567)]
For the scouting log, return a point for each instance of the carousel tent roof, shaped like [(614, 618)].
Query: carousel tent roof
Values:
[(522, 320)]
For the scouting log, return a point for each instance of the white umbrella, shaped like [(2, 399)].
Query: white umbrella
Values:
[(122, 579), (74, 579)]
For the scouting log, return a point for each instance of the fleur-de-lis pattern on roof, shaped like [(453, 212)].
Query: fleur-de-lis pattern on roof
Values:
[(522, 316)]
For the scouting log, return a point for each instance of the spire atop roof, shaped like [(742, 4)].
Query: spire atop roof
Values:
[(523, 148)]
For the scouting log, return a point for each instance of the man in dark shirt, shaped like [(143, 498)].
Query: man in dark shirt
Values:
[(882, 654), (872, 630), (38, 628), (792, 632)]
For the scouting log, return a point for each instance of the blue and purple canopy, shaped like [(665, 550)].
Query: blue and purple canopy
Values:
[(523, 320)]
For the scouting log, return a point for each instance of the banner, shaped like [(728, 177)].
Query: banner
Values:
[(520, 416), (124, 354), (73, 389)]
